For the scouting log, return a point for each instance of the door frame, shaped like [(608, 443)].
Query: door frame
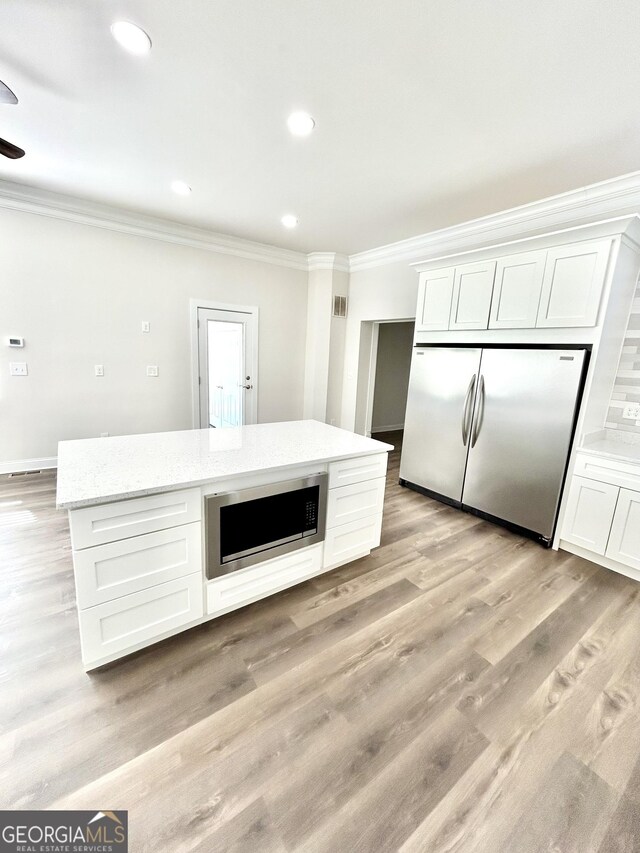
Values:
[(252, 355)]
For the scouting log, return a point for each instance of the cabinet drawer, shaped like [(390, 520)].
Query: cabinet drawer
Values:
[(95, 525), (624, 541), (134, 620), (356, 470), (120, 568), (349, 503), (351, 540), (608, 470), (247, 585), (589, 514)]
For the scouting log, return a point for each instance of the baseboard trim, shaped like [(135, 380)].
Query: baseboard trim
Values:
[(390, 428), (17, 466)]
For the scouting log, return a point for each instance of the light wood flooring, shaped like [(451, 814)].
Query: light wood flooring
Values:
[(461, 689)]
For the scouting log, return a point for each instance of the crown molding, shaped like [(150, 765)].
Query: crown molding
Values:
[(328, 261), (615, 197), (40, 202)]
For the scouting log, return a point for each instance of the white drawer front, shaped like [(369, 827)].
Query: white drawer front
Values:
[(117, 626), (120, 568), (356, 470), (95, 525), (351, 540), (608, 470), (359, 500), (624, 541), (589, 513), (247, 585)]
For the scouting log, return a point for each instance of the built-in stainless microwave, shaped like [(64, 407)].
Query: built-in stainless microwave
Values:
[(251, 525)]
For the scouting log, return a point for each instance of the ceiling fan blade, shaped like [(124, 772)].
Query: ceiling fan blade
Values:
[(10, 151), (6, 95)]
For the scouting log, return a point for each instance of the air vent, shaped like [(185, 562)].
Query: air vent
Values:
[(24, 473), (339, 306)]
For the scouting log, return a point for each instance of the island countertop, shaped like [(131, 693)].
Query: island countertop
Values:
[(101, 470)]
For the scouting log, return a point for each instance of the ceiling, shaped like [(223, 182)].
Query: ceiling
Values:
[(427, 113)]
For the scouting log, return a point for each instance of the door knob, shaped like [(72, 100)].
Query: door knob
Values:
[(246, 387)]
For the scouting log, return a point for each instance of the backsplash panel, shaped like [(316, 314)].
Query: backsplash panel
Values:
[(627, 385)]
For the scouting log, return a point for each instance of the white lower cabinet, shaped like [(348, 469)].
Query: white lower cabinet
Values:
[(624, 541), (351, 540), (120, 568), (127, 623), (589, 514), (242, 587), (359, 500)]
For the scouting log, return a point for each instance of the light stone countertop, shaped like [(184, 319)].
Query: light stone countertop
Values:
[(100, 470), (624, 447)]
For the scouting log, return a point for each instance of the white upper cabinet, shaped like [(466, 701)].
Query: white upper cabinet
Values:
[(472, 288), (434, 299), (572, 284), (516, 292)]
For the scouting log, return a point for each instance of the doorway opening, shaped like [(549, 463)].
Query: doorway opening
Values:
[(225, 364), (383, 376)]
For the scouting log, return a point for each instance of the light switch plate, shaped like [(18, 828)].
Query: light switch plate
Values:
[(632, 411), (18, 368), (152, 370)]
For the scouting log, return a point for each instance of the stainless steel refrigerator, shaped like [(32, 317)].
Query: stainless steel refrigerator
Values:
[(489, 429)]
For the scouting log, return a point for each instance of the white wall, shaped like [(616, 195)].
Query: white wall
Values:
[(393, 363), (387, 292), (78, 295)]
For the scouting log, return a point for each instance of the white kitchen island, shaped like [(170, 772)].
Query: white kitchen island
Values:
[(137, 519)]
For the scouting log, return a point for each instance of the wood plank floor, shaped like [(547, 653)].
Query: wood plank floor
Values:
[(461, 689)]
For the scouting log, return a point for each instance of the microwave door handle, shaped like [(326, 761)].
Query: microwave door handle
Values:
[(466, 409)]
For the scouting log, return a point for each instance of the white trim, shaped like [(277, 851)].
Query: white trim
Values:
[(194, 304), (20, 465), (328, 261), (599, 559), (615, 196), (70, 209), (388, 428)]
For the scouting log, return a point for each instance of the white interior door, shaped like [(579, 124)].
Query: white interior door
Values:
[(226, 367)]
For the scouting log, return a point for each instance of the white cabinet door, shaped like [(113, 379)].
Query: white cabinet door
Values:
[(126, 624), (434, 300), (120, 568), (572, 284), (357, 469), (95, 525), (352, 540), (242, 587), (349, 503), (472, 288), (624, 542), (589, 514), (516, 293)]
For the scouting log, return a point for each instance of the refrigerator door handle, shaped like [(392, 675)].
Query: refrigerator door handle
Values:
[(466, 410), (479, 413)]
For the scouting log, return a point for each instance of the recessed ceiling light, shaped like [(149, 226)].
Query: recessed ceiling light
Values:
[(130, 37), (300, 124), (289, 220), (180, 187)]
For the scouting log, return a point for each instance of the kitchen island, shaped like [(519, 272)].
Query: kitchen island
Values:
[(145, 560)]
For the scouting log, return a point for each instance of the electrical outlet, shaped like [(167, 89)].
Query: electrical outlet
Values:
[(104, 435), (146, 326), (99, 369), (632, 411), (152, 370), (18, 368)]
